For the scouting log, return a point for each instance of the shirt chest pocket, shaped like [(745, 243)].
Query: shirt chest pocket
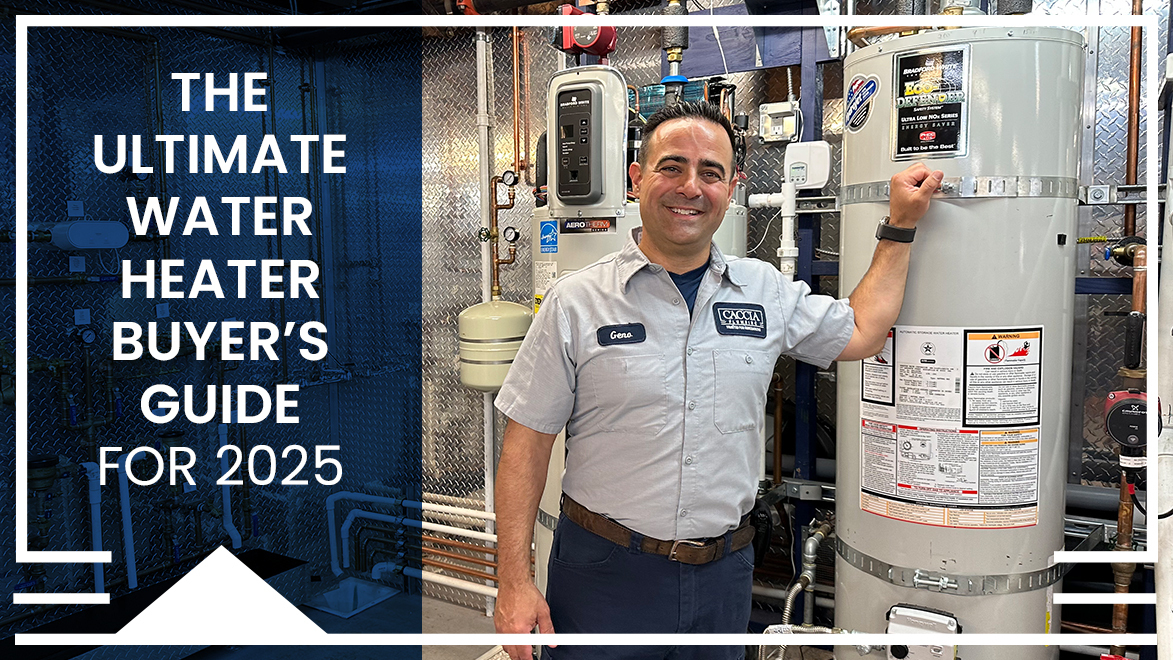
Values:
[(742, 378), (629, 392)]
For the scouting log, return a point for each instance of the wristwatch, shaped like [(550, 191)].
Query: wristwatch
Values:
[(898, 234)]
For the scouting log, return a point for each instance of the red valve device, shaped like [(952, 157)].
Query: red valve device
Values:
[(597, 40)]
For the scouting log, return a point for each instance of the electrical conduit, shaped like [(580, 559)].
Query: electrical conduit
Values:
[(93, 474)]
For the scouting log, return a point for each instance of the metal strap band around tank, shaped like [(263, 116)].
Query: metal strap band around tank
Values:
[(495, 340), (948, 583), (546, 520), (963, 187), (489, 362)]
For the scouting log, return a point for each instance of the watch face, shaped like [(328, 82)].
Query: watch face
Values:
[(586, 35)]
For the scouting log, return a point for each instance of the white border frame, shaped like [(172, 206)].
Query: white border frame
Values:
[(24, 555)]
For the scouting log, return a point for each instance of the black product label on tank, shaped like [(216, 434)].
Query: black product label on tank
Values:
[(588, 225), (932, 103)]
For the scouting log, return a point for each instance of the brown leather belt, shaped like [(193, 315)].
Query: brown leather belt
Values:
[(683, 551)]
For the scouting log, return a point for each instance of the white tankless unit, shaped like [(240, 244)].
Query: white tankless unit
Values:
[(588, 216), (952, 449)]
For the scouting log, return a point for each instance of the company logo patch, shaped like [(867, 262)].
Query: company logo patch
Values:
[(548, 236), (628, 333), (928, 136), (860, 93), (747, 320)]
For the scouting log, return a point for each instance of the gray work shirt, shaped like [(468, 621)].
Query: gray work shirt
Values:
[(663, 411)]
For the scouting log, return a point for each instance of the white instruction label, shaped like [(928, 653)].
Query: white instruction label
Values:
[(950, 427), (545, 272)]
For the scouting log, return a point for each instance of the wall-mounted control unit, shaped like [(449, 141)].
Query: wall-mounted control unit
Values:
[(808, 164), (587, 110)]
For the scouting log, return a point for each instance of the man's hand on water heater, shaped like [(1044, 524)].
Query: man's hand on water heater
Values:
[(909, 194)]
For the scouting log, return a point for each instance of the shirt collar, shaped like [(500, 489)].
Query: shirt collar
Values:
[(631, 260)]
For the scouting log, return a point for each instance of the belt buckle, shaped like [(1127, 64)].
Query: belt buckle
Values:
[(676, 546)]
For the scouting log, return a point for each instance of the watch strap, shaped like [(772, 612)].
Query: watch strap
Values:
[(891, 233)]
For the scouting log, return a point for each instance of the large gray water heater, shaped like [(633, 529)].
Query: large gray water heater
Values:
[(953, 440)]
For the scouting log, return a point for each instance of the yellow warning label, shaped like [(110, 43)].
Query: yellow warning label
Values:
[(537, 303)]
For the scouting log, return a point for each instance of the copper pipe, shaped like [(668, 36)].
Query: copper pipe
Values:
[(456, 569), (777, 428), (1122, 572), (1140, 269), (1084, 628), (860, 35), (1133, 136), (525, 64), (517, 166), (494, 234), (453, 555), (636, 90), (459, 544)]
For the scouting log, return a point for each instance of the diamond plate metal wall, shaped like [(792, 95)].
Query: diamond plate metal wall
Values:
[(84, 83)]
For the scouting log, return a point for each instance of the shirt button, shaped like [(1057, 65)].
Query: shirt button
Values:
[(690, 349), (684, 513), (676, 301), (688, 460), (692, 405), (748, 360)]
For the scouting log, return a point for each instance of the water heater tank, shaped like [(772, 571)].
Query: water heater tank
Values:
[(952, 452)]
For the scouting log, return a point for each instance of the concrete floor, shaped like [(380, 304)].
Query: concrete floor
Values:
[(400, 615)]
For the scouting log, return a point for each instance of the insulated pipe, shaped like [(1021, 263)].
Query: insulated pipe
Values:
[(93, 474), (383, 567), (344, 536), (348, 495), (485, 150), (225, 498), (466, 502), (447, 581), (127, 524), (1164, 462), (1131, 154)]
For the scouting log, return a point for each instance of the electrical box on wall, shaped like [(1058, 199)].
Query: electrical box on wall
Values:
[(587, 110), (778, 122)]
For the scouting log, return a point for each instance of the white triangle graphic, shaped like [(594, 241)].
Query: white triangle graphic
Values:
[(221, 602)]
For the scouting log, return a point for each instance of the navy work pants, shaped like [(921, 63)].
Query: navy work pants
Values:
[(596, 586)]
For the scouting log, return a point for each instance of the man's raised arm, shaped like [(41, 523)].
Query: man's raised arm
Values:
[(880, 293)]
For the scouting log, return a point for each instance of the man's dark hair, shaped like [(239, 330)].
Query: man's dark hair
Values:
[(684, 110)]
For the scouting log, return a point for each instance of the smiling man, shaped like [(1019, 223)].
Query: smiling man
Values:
[(657, 359)]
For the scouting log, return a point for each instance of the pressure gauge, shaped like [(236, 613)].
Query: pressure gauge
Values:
[(511, 235), (87, 336), (509, 178)]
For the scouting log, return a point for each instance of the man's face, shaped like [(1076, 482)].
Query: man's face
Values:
[(685, 188)]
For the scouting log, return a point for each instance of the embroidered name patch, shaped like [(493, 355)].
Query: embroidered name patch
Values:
[(628, 333), (745, 319)]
